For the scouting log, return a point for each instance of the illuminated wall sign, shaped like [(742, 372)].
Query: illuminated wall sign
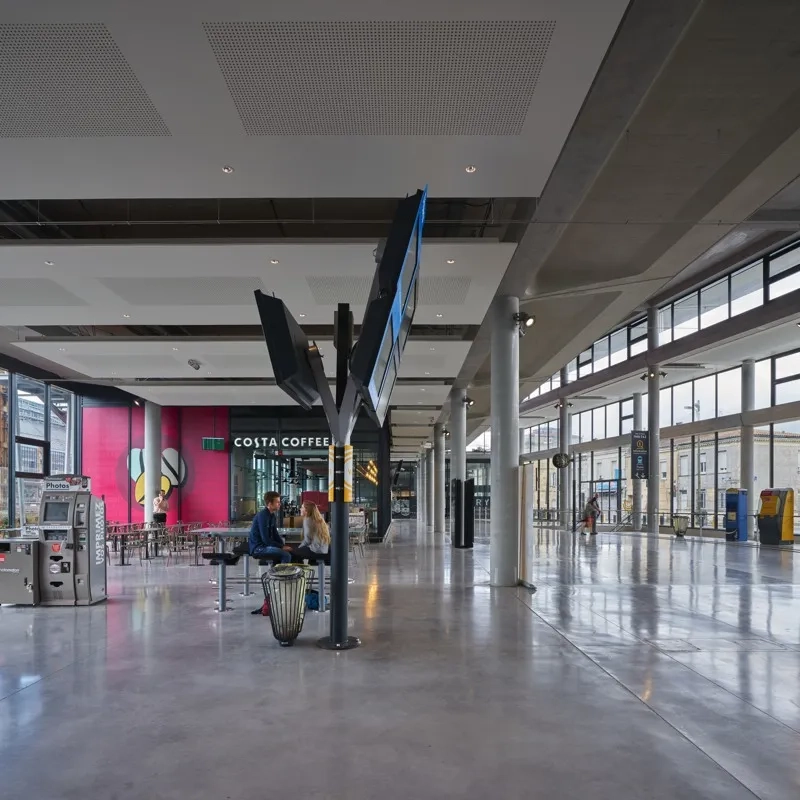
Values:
[(287, 442)]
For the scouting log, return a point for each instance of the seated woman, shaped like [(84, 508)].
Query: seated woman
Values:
[(316, 535)]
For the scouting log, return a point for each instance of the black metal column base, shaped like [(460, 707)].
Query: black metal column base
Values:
[(350, 643)]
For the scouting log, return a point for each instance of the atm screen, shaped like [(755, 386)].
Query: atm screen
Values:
[(56, 512)]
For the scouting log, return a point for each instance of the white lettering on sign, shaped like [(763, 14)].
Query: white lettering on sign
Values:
[(10, 570), (285, 442), (99, 532)]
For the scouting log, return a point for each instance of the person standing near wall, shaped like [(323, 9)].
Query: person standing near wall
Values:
[(160, 508)]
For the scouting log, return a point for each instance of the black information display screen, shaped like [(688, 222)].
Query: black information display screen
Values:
[(640, 455), (56, 512)]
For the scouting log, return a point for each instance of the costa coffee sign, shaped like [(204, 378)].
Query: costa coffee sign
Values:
[(285, 442)]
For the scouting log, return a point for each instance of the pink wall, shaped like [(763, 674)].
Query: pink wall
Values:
[(195, 480)]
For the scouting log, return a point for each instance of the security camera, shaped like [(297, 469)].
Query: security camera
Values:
[(193, 363)]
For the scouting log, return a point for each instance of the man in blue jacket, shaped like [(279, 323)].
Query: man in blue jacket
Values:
[(264, 537)]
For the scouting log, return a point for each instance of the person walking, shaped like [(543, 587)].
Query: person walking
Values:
[(590, 514)]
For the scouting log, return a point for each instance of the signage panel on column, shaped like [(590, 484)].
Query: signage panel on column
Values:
[(640, 455)]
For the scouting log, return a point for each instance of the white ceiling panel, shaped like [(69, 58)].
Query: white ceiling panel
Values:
[(212, 283), (314, 99), (111, 357)]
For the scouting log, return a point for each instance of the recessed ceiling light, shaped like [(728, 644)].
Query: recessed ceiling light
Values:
[(174, 348), (469, 169), (49, 263), (274, 261), (301, 316), (113, 373), (451, 261), (427, 373), (439, 316), (227, 169), (126, 316), (422, 390), (62, 349), (432, 349)]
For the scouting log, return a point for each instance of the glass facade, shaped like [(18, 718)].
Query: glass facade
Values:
[(38, 433), (748, 287), (695, 470)]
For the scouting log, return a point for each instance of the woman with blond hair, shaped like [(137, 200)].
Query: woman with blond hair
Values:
[(316, 536)]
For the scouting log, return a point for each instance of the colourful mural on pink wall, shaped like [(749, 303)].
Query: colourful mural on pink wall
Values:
[(194, 480)]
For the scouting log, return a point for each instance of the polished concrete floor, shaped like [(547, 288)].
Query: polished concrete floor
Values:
[(639, 669)]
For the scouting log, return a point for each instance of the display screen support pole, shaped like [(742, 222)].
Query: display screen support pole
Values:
[(345, 411)]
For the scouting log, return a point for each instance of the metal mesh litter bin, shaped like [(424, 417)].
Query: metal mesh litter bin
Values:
[(285, 585), (680, 525)]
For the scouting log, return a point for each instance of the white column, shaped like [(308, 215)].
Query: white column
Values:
[(438, 478), (430, 487), (564, 435), (504, 525), (653, 422), (422, 486), (748, 481), (458, 447), (638, 486), (152, 457)]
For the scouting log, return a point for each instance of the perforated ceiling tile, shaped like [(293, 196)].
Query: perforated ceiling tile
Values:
[(330, 290), (444, 290), (466, 78), (35, 292), (70, 80), (230, 291)]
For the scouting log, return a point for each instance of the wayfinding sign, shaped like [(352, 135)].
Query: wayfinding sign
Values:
[(640, 454)]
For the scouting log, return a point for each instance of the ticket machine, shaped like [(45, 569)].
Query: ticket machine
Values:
[(72, 557), (776, 517), (19, 569)]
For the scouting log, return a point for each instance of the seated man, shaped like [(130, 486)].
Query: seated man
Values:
[(264, 537)]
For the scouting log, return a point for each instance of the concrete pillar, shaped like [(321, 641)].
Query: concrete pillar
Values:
[(430, 488), (458, 444), (322, 484), (747, 474), (438, 479), (422, 485), (152, 457), (504, 526), (564, 436), (638, 486), (653, 422)]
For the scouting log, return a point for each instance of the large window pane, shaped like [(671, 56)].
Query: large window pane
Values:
[(612, 419), (705, 405), (62, 446), (714, 303), (787, 366), (682, 480), (747, 288), (585, 363), (682, 409), (638, 347), (572, 370), (665, 485), (575, 427), (599, 423), (787, 259), (4, 449), (29, 408), (639, 330), (763, 383), (28, 499), (665, 325), (600, 360), (552, 435), (665, 408), (705, 467), (729, 392), (788, 392), (762, 466), (586, 426), (728, 459), (788, 284), (619, 346), (684, 321)]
